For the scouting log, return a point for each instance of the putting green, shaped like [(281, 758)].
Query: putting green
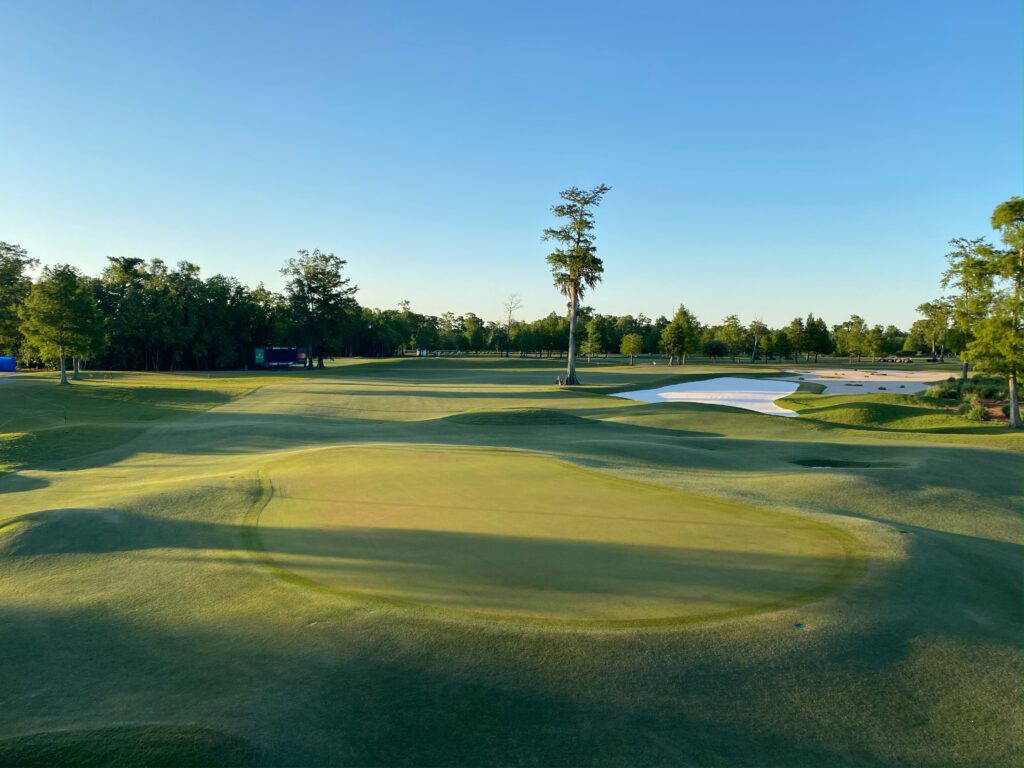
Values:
[(515, 536)]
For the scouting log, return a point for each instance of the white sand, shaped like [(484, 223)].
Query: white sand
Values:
[(751, 394), (868, 381)]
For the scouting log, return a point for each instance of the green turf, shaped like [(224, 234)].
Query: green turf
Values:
[(515, 537), (146, 619)]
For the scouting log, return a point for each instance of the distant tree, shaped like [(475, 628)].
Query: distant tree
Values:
[(512, 305), (320, 298), (632, 345), (816, 340), (60, 316), (797, 334), (758, 331), (473, 331), (966, 272), (851, 337), (574, 262), (592, 339), (90, 340), (715, 348), (734, 335), (935, 324), (652, 336), (781, 346), (893, 340), (427, 337), (681, 336), (874, 341), (15, 285)]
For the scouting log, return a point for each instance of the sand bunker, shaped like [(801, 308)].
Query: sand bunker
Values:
[(864, 381), (751, 394)]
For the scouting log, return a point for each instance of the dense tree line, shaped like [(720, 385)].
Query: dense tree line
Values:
[(145, 315)]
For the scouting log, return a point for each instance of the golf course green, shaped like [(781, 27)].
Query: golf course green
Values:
[(452, 561), (513, 536)]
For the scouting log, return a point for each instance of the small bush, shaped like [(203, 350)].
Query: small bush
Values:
[(988, 387), (947, 390), (973, 409)]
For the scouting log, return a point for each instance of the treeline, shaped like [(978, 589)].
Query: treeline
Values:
[(145, 315)]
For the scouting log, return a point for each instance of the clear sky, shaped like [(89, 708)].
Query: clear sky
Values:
[(767, 158)]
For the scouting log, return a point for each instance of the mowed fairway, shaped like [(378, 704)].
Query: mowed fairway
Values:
[(453, 562), (510, 536)]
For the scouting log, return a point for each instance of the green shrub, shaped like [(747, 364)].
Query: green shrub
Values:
[(947, 390), (972, 408), (989, 387)]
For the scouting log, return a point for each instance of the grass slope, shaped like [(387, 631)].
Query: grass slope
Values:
[(139, 627)]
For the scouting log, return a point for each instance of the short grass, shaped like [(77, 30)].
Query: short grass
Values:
[(145, 622), (462, 534)]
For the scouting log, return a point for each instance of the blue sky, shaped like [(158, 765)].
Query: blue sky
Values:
[(766, 159)]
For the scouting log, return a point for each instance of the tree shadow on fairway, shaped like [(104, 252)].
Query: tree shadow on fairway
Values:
[(427, 392), (357, 698), (16, 482), (126, 745), (49, 426)]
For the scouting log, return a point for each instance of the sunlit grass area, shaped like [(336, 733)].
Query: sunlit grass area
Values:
[(457, 561)]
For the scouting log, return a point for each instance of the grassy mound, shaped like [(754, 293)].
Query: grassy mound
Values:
[(884, 412), (519, 417), (504, 535)]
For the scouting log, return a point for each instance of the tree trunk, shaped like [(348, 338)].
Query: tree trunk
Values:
[(570, 367), (1015, 422), (63, 367), (682, 359), (963, 372), (77, 370)]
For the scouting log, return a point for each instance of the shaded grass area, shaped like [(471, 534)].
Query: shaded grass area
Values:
[(130, 745), (42, 424), (826, 463), (128, 599)]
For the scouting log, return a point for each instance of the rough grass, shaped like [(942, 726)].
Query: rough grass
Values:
[(130, 597)]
